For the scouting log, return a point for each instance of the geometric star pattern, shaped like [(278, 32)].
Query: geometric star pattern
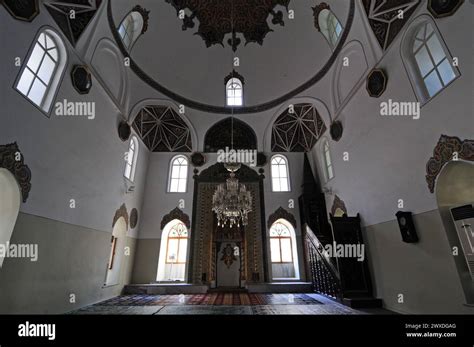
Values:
[(162, 129), (297, 131), (83, 11), (387, 17)]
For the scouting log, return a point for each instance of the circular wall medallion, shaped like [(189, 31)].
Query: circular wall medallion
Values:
[(124, 131), (81, 79), (444, 8), (376, 83), (198, 159), (336, 130), (133, 218), (261, 159)]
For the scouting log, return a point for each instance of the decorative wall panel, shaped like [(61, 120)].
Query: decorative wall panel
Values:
[(12, 159), (297, 131), (447, 149), (84, 11), (175, 214), (162, 129), (121, 212), (387, 17)]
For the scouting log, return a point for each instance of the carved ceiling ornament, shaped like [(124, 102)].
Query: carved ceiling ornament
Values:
[(176, 214), (121, 212), (12, 159), (447, 149), (338, 204), (84, 11), (281, 213), (387, 17), (229, 17), (297, 131), (162, 129)]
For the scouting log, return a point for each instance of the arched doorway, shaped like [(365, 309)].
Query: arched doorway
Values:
[(173, 252), (455, 192), (283, 251), (117, 253), (9, 206)]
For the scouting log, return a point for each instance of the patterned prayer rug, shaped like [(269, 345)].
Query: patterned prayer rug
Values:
[(231, 299)]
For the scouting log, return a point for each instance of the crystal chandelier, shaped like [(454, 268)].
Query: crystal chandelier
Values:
[(232, 201)]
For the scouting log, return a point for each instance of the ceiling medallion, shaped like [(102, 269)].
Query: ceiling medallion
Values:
[(231, 201), (220, 18), (298, 129), (162, 129)]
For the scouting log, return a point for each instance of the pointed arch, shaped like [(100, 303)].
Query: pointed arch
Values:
[(219, 135)]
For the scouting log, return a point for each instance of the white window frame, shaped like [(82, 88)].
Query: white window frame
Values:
[(408, 53), (179, 178), (130, 29), (280, 178), (232, 86), (328, 165), (330, 27), (131, 159), (55, 51)]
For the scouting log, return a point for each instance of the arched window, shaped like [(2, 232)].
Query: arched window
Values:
[(283, 250), (326, 154), (40, 76), (173, 252), (280, 175), (131, 28), (330, 27), (178, 175), (234, 92), (430, 64), (131, 159)]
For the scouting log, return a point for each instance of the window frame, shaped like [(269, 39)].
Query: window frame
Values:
[(279, 238), (231, 81), (170, 175), (133, 38), (327, 30), (287, 166), (326, 166), (133, 164), (411, 66), (179, 238), (52, 89)]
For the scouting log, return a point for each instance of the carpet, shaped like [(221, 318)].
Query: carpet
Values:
[(229, 299)]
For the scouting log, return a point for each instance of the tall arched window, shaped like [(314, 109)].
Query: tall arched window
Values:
[(234, 92), (133, 25), (430, 64), (283, 250), (329, 26), (178, 175), (40, 76), (326, 156), (173, 252), (280, 174), (131, 159)]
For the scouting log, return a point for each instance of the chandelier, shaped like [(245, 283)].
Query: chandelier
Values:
[(232, 201)]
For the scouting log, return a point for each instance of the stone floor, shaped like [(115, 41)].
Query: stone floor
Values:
[(272, 304)]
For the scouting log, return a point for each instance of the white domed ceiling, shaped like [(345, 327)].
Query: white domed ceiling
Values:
[(188, 59)]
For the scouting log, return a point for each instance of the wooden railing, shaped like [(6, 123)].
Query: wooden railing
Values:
[(324, 274)]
